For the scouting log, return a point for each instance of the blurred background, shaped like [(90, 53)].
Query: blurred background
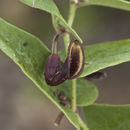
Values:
[(22, 105)]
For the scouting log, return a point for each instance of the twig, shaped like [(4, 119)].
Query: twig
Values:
[(58, 119)]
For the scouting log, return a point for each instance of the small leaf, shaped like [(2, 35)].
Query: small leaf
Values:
[(87, 93), (119, 4), (107, 117), (30, 54), (50, 7)]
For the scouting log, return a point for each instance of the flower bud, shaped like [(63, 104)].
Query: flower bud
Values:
[(52, 67)]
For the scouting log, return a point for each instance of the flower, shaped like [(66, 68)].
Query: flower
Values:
[(56, 74)]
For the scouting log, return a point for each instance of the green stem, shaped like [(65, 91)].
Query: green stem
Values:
[(66, 41), (71, 16), (73, 95), (55, 44), (54, 23)]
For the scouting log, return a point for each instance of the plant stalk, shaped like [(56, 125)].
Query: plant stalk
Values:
[(73, 99), (71, 17)]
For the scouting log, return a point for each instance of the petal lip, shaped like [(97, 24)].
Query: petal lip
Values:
[(75, 47)]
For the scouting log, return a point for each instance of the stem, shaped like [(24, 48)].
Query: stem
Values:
[(73, 95), (66, 41), (71, 16), (58, 119), (55, 44)]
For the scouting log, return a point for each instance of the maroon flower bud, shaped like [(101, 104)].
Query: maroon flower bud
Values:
[(52, 67)]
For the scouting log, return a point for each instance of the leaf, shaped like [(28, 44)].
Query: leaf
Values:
[(50, 7), (119, 4), (107, 117), (30, 54), (100, 56), (87, 93)]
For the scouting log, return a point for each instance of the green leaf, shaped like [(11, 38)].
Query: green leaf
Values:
[(50, 7), (107, 117), (119, 4), (30, 54), (100, 56), (87, 93)]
